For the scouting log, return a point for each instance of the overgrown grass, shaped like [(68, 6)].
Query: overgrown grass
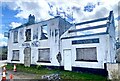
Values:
[(64, 74)]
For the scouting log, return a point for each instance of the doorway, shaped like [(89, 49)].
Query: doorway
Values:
[(67, 59), (27, 56)]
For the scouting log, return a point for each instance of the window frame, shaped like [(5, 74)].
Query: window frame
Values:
[(88, 59), (13, 55), (26, 39), (39, 56), (42, 33), (15, 36)]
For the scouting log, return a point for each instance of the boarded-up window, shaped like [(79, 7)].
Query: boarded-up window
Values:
[(15, 36), (86, 54), (15, 56), (44, 55), (28, 35)]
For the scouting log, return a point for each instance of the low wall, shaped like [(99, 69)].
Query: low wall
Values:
[(113, 71), (3, 62)]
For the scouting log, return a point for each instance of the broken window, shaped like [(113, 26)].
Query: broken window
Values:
[(44, 32), (86, 54), (15, 56), (44, 55), (15, 36), (28, 35)]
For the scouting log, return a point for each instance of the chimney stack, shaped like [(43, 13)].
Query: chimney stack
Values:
[(31, 19)]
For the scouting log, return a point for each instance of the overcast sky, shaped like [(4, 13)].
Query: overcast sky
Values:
[(13, 14)]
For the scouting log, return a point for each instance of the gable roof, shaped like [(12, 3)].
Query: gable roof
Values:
[(28, 24)]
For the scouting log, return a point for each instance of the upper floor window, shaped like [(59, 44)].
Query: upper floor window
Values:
[(15, 36), (28, 34), (44, 32)]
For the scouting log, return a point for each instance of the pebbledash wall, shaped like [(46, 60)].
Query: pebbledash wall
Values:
[(87, 53)]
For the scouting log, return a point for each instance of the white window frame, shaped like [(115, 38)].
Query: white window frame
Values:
[(28, 34), (14, 54), (48, 55), (83, 56), (44, 35)]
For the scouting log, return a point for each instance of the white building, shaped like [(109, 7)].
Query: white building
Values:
[(40, 43)]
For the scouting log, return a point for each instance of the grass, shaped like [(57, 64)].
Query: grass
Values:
[(63, 74)]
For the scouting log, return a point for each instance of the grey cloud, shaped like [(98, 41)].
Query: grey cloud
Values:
[(102, 12), (116, 9), (30, 5), (76, 8)]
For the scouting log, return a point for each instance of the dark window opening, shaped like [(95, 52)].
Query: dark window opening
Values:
[(15, 36), (28, 35), (44, 32)]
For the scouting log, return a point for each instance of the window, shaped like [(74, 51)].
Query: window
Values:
[(86, 54), (15, 36), (28, 35), (44, 55), (44, 33), (15, 56), (35, 33)]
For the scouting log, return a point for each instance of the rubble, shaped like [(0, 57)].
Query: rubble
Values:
[(51, 77)]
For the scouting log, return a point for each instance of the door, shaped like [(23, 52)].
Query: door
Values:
[(67, 59), (27, 56)]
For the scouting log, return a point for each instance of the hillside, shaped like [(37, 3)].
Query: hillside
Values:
[(3, 53)]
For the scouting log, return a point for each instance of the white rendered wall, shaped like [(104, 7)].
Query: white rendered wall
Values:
[(102, 51), (47, 43)]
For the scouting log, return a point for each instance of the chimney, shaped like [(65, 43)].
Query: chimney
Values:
[(31, 19)]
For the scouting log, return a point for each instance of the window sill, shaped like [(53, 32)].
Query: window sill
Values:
[(27, 40), (43, 39), (15, 42), (44, 61), (87, 60), (15, 60)]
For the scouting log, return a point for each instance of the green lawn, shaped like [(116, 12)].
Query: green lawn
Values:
[(63, 74)]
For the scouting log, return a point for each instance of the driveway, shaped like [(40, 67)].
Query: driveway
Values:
[(17, 75), (21, 75)]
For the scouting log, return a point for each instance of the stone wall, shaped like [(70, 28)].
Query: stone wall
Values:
[(118, 55), (113, 71)]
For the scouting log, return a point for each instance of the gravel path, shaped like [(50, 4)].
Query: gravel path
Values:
[(21, 75)]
